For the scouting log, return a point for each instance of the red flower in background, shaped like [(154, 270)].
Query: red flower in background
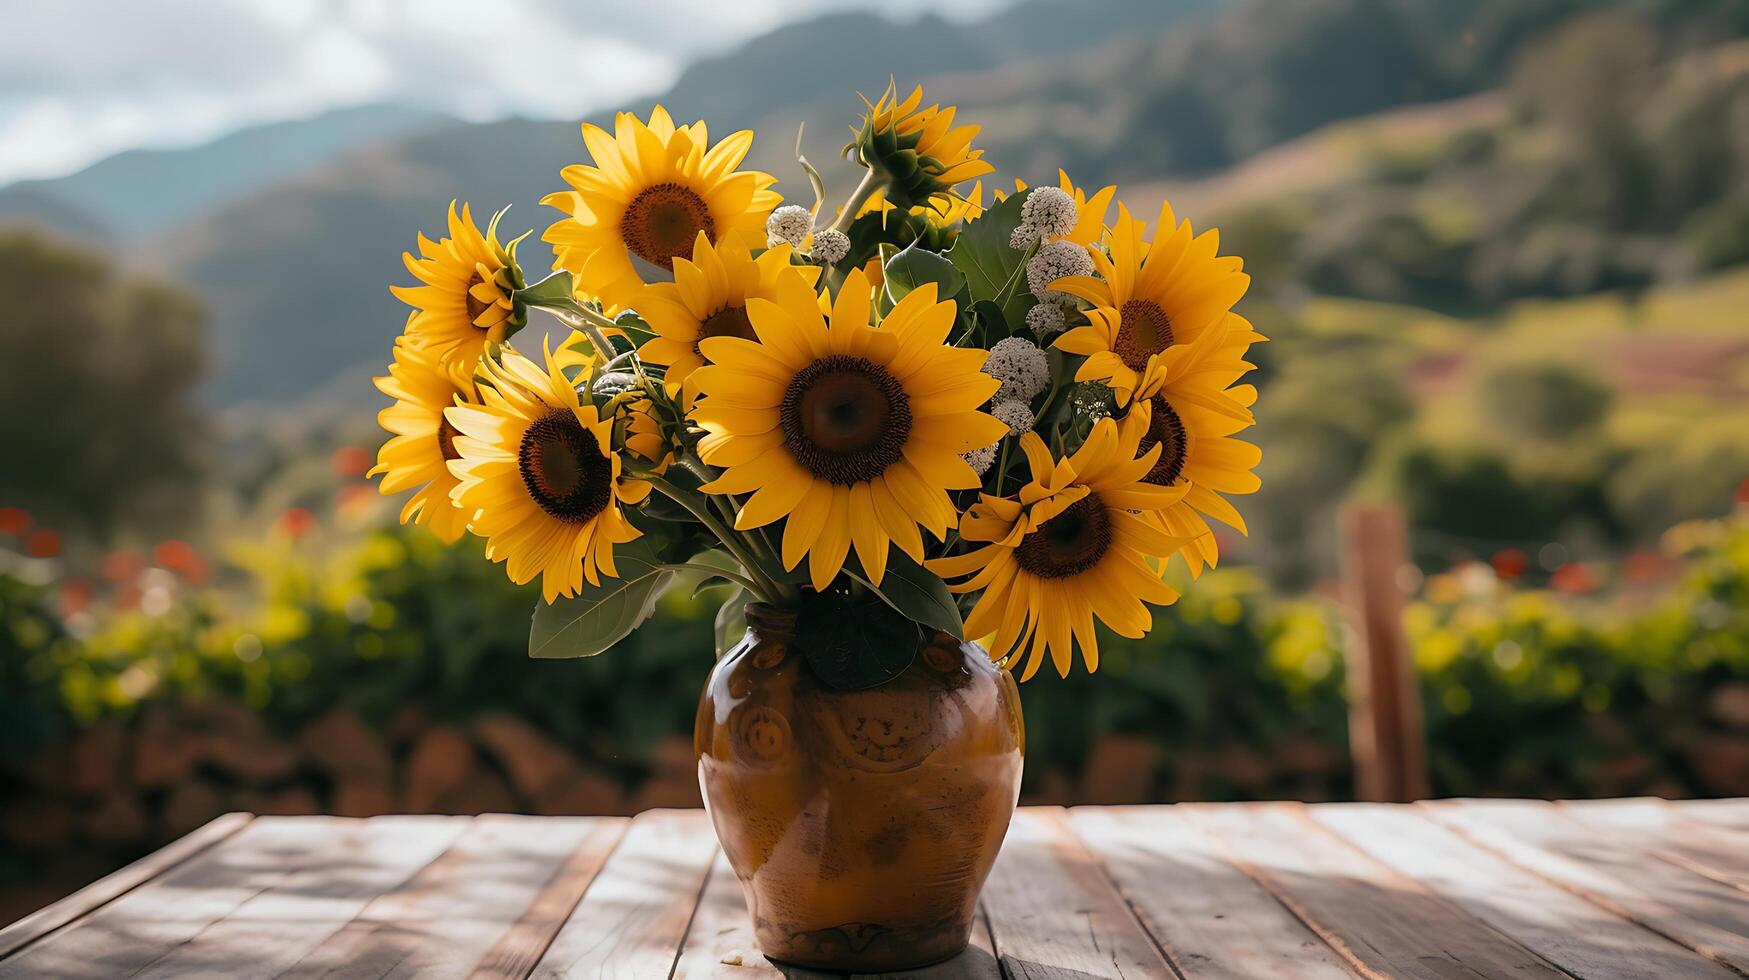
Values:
[(350, 460), (121, 566), (1573, 578), (75, 596), (296, 522), (42, 544), (181, 558), (14, 520), (1509, 563)]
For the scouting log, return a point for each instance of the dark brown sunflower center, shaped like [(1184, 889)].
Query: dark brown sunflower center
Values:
[(1143, 331), (845, 419), (662, 221), (475, 307), (1068, 544), (446, 434), (1166, 430), (563, 468), (730, 321)]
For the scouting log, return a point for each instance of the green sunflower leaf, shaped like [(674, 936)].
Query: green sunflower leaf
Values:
[(601, 615), (994, 271), (916, 593), (913, 266)]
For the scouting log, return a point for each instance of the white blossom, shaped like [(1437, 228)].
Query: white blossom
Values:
[(1023, 369), (1022, 237), (1053, 261), (980, 460), (1015, 414), (1045, 319), (1049, 211), (788, 225), (831, 245)]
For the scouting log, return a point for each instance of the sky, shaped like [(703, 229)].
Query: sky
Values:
[(83, 79)]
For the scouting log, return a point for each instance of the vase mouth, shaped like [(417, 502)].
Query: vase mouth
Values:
[(771, 622)]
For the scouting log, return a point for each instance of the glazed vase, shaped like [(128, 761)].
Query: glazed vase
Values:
[(861, 823)]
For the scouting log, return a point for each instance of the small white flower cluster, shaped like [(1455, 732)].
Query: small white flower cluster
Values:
[(1015, 414), (788, 225), (1053, 261), (1023, 369), (831, 245), (1045, 319), (1047, 213), (980, 460)]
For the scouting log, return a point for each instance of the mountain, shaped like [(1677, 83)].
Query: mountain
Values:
[(143, 192), (296, 272)]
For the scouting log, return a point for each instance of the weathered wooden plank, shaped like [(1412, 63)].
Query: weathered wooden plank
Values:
[(325, 888), (1054, 914), (1213, 919), (526, 941), (1660, 830), (444, 920), (1699, 913), (1732, 813), (634, 916), (1561, 927), (1383, 922), (110, 887), (273, 864)]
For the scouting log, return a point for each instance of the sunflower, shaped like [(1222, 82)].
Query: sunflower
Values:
[(1075, 545), (920, 152), (1185, 407), (940, 214), (653, 189), (422, 441), (853, 432), (466, 297), (708, 298), (1162, 293), (536, 462)]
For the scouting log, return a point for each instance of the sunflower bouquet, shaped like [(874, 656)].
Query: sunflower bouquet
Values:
[(1000, 418)]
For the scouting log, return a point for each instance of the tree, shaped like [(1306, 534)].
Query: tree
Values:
[(96, 383)]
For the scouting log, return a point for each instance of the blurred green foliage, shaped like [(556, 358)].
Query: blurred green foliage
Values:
[(101, 429), (1525, 693)]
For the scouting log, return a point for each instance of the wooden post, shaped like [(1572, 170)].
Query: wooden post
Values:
[(1384, 695)]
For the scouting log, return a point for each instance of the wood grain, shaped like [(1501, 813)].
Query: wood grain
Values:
[(1054, 913), (1660, 830), (1214, 920), (527, 940), (1384, 923), (633, 918), (110, 887), (1699, 913), (323, 889), (1581, 938), (442, 921), (1725, 813)]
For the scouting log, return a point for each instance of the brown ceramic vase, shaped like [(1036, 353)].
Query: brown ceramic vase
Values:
[(861, 823)]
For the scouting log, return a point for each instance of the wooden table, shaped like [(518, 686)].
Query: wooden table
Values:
[(1484, 888)]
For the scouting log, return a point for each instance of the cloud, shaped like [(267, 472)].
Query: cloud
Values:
[(81, 79)]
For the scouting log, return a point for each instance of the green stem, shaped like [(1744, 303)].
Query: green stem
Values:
[(577, 316), (696, 467), (871, 182), (742, 581), (770, 590)]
